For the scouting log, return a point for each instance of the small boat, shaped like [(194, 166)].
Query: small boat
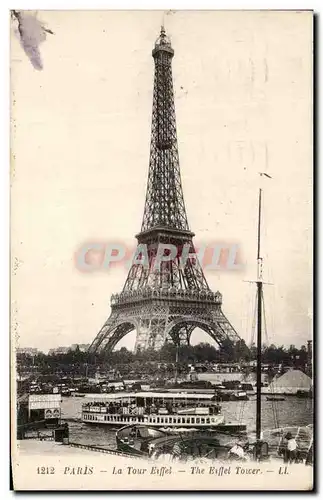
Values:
[(225, 395), (140, 440), (303, 394), (239, 396), (275, 398), (135, 439)]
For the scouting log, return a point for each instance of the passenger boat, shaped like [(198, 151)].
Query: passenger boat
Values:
[(158, 410)]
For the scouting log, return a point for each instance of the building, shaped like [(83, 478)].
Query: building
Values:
[(64, 350), (29, 351), (58, 350), (81, 347)]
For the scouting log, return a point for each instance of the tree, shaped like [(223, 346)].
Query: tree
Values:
[(241, 352)]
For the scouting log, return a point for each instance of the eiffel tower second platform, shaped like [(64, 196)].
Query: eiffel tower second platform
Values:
[(167, 301)]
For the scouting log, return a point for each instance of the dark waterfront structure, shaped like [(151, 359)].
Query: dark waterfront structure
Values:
[(164, 302)]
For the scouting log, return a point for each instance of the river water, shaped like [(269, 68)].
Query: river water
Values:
[(291, 412)]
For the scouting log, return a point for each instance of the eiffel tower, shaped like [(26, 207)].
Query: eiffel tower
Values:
[(164, 301)]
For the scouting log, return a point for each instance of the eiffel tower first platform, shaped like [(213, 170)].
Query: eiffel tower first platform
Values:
[(164, 302)]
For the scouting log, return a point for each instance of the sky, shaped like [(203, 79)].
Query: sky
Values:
[(80, 134)]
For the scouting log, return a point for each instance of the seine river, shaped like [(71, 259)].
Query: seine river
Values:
[(291, 412)]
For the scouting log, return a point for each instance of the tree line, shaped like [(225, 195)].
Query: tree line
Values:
[(78, 362)]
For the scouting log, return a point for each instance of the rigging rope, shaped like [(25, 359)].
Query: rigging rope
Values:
[(273, 402), (264, 316), (241, 411)]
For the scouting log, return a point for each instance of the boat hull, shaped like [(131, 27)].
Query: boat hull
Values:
[(173, 423), (145, 441)]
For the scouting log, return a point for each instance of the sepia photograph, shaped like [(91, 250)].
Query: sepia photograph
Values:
[(161, 292)]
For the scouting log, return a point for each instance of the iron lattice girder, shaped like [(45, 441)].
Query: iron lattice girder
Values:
[(157, 319), (174, 273), (170, 300), (164, 198)]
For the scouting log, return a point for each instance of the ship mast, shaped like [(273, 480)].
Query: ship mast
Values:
[(259, 323)]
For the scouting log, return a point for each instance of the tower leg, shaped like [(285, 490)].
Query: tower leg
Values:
[(115, 328)]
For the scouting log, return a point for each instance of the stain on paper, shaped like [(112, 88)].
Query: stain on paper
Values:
[(31, 33)]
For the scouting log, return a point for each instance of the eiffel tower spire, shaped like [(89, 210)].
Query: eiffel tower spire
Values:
[(164, 205), (168, 301)]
